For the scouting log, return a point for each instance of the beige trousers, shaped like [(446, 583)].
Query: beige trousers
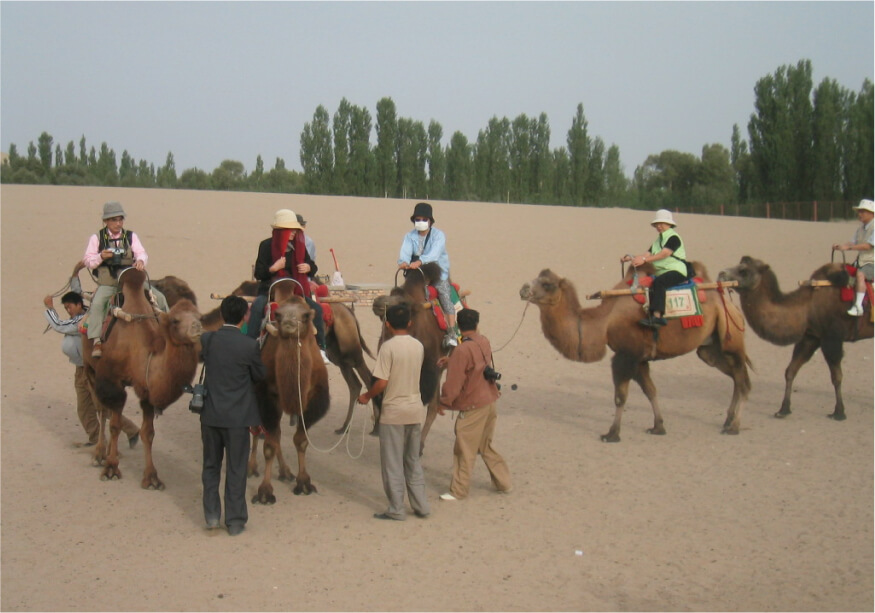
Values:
[(474, 430)]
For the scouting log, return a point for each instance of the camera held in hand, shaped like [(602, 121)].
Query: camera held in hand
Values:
[(116, 259), (198, 392)]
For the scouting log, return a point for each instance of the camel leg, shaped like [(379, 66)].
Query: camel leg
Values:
[(252, 465), (304, 486), (98, 458), (285, 473), (430, 416), (265, 490), (147, 435), (355, 388), (734, 366), (802, 352), (622, 368), (111, 470), (642, 378), (833, 352)]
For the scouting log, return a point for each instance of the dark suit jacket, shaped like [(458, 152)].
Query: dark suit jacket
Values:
[(265, 260), (233, 363)]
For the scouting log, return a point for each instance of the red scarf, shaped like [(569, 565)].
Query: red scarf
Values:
[(278, 243)]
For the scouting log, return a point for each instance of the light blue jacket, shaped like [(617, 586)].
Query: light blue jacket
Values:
[(435, 250)]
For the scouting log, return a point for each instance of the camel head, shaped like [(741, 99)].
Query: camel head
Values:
[(381, 303), (182, 324), (748, 273), (294, 319), (542, 290)]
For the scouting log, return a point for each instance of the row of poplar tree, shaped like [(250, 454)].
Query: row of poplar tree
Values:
[(804, 144)]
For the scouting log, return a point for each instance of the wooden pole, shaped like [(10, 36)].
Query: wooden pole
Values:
[(611, 293)]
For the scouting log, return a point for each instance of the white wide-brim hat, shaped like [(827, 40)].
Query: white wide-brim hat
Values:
[(865, 205), (663, 216), (285, 218)]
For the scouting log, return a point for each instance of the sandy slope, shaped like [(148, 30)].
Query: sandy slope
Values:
[(778, 518)]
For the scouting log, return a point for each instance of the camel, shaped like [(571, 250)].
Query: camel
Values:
[(424, 327), (155, 353), (809, 318), (585, 334), (345, 348), (296, 384)]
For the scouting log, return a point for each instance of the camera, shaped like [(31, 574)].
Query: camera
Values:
[(196, 404), (117, 253), (490, 374)]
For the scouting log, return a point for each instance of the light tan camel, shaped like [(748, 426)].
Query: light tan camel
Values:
[(809, 318), (155, 353), (585, 334), (296, 384)]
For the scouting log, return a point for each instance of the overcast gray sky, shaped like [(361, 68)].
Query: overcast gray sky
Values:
[(231, 80)]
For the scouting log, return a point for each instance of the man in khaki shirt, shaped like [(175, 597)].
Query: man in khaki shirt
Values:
[(466, 390)]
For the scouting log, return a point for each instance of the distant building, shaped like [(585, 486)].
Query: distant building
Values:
[(4, 158)]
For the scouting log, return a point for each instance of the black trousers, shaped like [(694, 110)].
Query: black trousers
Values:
[(219, 442), (660, 284)]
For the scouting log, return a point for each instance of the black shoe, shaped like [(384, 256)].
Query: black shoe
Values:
[(384, 516), (653, 322), (421, 515), (212, 524), (235, 529), (132, 441)]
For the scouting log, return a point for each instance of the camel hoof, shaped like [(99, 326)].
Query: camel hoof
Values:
[(610, 438), (110, 474), (152, 484), (658, 431), (304, 488), (286, 477), (837, 416), (782, 414), (340, 430), (263, 498), (253, 473), (733, 431)]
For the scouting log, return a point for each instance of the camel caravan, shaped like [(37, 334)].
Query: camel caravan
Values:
[(156, 351)]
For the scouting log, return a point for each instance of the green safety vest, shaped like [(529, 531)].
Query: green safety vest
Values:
[(676, 261)]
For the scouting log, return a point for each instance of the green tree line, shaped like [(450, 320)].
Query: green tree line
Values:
[(803, 144)]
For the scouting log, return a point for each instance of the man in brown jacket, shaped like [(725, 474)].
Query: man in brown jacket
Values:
[(467, 390)]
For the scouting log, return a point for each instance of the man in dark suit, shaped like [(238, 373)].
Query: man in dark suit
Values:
[(233, 363)]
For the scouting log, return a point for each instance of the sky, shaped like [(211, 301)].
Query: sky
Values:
[(210, 81)]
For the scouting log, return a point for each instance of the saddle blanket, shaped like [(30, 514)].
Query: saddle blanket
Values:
[(458, 304), (681, 301)]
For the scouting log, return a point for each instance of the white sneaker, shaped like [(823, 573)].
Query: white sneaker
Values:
[(448, 496), (855, 311), (450, 341), (324, 357)]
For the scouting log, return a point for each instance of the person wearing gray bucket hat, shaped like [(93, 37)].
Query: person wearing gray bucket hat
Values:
[(862, 242), (425, 244), (668, 257), (109, 251)]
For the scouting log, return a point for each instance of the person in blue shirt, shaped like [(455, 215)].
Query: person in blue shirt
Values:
[(425, 244)]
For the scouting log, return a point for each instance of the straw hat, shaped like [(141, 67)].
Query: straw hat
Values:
[(284, 218), (114, 209), (663, 216), (865, 205)]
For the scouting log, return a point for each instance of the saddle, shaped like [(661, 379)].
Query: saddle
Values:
[(847, 293), (681, 301), (459, 303)]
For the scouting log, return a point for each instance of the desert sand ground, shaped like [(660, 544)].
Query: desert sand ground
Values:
[(778, 518)]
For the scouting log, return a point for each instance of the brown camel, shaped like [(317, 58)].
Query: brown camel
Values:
[(345, 347), (584, 335), (174, 289), (809, 318), (155, 353), (296, 384), (424, 327)]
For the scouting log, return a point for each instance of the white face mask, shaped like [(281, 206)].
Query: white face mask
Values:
[(420, 226)]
